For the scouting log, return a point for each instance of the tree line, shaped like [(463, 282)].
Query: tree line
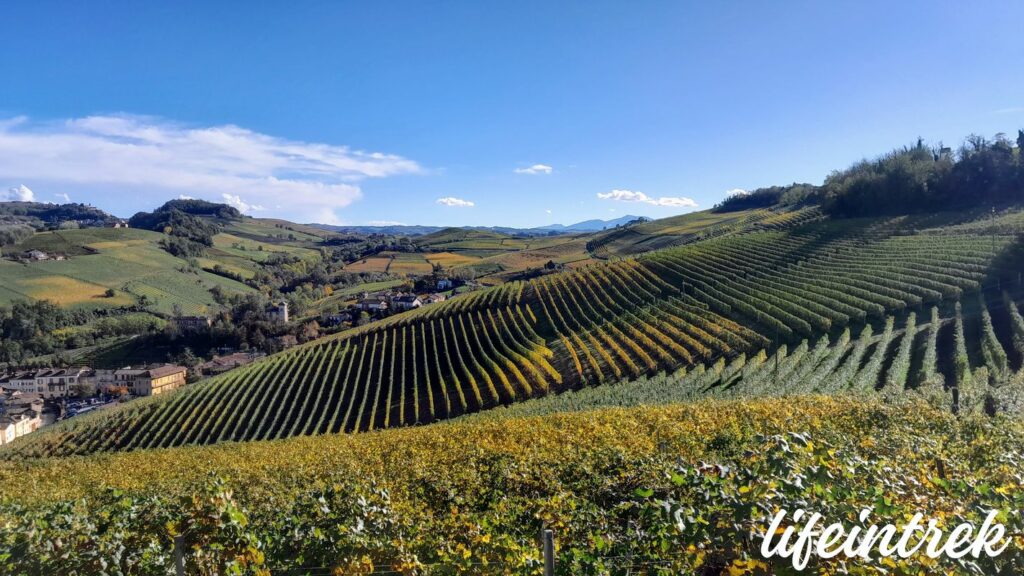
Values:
[(914, 178)]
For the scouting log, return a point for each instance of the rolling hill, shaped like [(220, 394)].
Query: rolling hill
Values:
[(839, 293), (133, 263)]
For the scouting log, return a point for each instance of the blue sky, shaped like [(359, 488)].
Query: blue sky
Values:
[(408, 112)]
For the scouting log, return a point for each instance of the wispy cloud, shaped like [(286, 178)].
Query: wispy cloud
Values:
[(64, 196), (735, 192), (1010, 110), (535, 169), (157, 158), (20, 193), (456, 202), (632, 196), (385, 223)]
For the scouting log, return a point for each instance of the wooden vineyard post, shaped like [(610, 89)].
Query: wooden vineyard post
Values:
[(179, 555), (548, 542)]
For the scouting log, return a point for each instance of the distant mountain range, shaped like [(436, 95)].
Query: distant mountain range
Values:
[(592, 225), (585, 226)]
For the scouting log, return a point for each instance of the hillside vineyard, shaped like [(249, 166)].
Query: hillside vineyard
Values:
[(819, 300)]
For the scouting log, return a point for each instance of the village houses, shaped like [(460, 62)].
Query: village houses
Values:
[(20, 414), (60, 382), (48, 382), (143, 381), (17, 425)]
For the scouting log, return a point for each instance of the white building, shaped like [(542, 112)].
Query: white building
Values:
[(47, 382), (406, 302), (17, 425)]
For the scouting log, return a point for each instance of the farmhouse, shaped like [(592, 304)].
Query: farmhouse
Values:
[(406, 302), (435, 298), (36, 255), (222, 364), (445, 284), (374, 304), (336, 319)]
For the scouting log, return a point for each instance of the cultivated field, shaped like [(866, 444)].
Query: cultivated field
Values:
[(373, 264)]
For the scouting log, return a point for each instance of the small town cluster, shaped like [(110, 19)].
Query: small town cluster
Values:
[(27, 394), (30, 399)]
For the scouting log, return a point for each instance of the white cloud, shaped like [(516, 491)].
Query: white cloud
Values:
[(185, 197), (155, 158), (535, 169), (20, 194), (736, 192), (453, 201), (548, 211), (64, 196), (385, 223), (631, 196), (241, 205)]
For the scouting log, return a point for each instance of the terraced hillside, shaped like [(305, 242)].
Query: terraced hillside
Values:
[(709, 303), (902, 358)]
